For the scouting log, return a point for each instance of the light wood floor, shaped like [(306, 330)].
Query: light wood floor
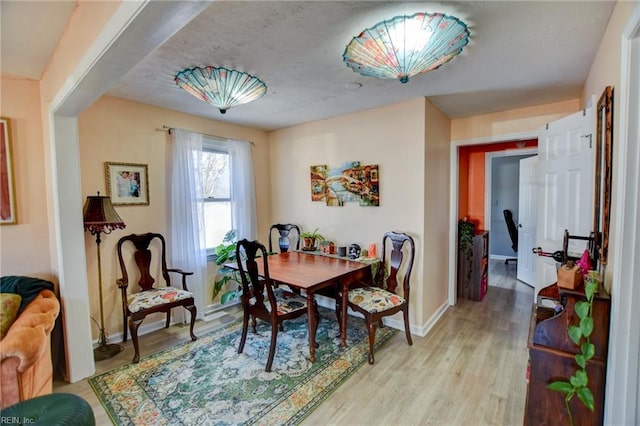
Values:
[(469, 370)]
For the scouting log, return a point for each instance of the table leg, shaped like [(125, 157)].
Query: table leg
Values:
[(312, 326), (345, 308)]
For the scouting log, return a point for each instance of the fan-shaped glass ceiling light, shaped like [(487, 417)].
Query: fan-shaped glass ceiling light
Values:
[(221, 87), (406, 46)]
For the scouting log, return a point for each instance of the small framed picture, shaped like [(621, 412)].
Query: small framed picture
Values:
[(7, 186), (127, 183)]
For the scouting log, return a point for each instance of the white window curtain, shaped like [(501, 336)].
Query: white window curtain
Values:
[(187, 244), (243, 193)]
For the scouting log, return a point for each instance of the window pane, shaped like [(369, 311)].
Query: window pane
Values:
[(217, 219), (215, 169)]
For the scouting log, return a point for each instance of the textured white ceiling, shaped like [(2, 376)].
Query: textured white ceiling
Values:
[(520, 54)]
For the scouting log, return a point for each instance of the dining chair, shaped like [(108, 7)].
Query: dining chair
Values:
[(261, 299), (380, 300), (136, 305), (286, 234)]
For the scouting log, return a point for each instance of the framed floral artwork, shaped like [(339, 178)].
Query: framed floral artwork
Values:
[(127, 183), (8, 215)]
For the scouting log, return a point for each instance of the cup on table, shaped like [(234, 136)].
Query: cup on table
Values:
[(342, 251), (372, 250)]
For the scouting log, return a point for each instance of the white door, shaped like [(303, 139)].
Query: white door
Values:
[(527, 193), (565, 180)]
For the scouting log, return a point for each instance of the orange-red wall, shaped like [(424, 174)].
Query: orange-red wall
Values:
[(472, 177)]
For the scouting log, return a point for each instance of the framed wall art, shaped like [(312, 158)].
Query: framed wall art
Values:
[(348, 182), (8, 215), (127, 183)]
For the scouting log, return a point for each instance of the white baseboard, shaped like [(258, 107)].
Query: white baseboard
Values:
[(500, 257), (422, 331), (211, 314), (325, 302), (392, 321)]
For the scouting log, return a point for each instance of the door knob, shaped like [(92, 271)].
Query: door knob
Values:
[(519, 225), (558, 256)]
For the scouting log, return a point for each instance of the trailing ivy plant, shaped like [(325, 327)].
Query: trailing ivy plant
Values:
[(580, 335), (226, 252)]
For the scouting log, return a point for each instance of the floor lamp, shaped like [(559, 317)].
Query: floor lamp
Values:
[(99, 217)]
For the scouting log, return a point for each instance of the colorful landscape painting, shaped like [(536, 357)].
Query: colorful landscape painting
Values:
[(348, 182)]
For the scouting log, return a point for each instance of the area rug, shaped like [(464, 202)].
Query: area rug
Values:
[(207, 382)]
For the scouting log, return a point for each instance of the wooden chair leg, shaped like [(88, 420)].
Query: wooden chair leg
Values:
[(245, 328), (253, 324), (192, 309), (316, 313), (272, 347), (407, 331), (124, 328), (133, 327), (372, 339)]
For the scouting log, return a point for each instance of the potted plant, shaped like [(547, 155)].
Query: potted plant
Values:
[(226, 252), (310, 240)]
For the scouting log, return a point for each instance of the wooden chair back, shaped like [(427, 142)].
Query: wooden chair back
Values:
[(254, 284), (286, 233), (143, 259), (396, 261)]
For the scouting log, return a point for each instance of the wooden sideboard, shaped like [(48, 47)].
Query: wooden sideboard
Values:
[(551, 357), (473, 268)]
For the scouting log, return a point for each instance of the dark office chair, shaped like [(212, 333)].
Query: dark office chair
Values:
[(513, 233)]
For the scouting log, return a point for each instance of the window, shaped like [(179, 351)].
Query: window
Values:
[(217, 195)]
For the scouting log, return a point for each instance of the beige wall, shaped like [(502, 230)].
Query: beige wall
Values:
[(24, 247), (118, 130), (393, 138), (436, 210), (520, 120), (605, 71)]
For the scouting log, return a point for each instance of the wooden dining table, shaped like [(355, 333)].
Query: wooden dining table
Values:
[(312, 273)]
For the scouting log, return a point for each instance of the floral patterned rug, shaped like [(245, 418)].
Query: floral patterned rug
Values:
[(207, 382)]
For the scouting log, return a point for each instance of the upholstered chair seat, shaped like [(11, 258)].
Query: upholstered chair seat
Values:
[(373, 299), (156, 297)]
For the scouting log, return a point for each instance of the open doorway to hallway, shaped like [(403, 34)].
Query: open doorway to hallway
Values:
[(487, 174)]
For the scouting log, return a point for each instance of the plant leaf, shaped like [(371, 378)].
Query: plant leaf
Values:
[(587, 326), (586, 397), (588, 350), (581, 360), (575, 334), (561, 386), (226, 297), (579, 379), (582, 309), (590, 289)]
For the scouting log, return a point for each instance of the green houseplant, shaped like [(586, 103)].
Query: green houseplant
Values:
[(310, 240), (580, 335), (226, 252)]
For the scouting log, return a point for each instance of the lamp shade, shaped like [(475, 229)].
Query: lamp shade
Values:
[(221, 87), (100, 216), (405, 46)]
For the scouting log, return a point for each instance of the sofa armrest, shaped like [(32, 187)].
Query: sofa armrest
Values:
[(28, 334)]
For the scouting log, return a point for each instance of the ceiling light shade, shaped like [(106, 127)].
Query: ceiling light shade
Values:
[(406, 46), (221, 87)]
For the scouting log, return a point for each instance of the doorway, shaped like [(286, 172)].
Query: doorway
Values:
[(502, 177), (471, 190)]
